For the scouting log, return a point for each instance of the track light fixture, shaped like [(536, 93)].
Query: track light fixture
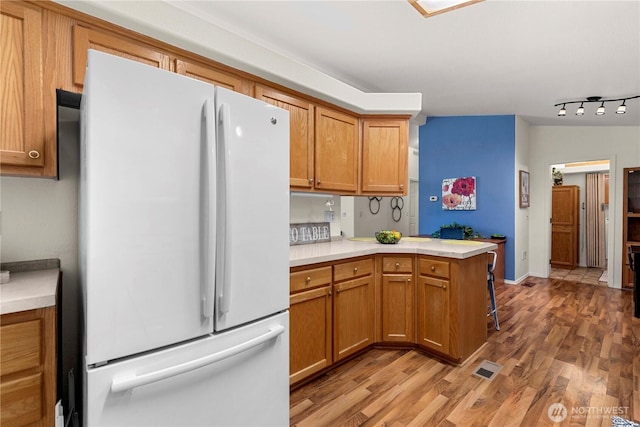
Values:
[(601, 109), (563, 111)]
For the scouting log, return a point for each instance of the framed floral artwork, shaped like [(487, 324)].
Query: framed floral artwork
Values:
[(459, 194), (524, 189)]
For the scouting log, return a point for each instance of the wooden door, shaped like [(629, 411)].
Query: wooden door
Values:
[(213, 76), (353, 316), (85, 38), (309, 333), (384, 156), (22, 130), (336, 151), (565, 216), (433, 314), (301, 174)]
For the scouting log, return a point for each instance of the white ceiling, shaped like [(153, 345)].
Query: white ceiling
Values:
[(494, 57)]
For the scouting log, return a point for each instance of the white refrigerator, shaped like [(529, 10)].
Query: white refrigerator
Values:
[(184, 256)]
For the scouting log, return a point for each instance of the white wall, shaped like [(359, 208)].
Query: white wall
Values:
[(521, 216), (565, 144)]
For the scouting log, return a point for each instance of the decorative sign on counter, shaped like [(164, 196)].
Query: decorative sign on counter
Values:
[(312, 232)]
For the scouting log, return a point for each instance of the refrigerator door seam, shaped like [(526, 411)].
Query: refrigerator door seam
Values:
[(207, 215), (223, 272), (132, 381)]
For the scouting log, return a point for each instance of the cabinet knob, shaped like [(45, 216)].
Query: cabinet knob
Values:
[(337, 291), (33, 154), (408, 281), (308, 279), (318, 183), (433, 268), (329, 294), (310, 180), (401, 186), (355, 269), (444, 286), (397, 265)]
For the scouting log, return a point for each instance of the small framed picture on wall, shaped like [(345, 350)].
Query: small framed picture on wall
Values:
[(524, 189)]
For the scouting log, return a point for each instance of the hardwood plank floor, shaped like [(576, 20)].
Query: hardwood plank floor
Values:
[(560, 341)]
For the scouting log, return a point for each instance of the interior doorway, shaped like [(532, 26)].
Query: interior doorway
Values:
[(592, 181)]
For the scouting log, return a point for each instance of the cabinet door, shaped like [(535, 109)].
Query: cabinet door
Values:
[(85, 38), (28, 367), (353, 316), (397, 308), (213, 76), (384, 156), (433, 314), (301, 134), (336, 151), (22, 129), (309, 333)]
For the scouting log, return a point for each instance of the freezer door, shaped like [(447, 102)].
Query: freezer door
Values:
[(147, 194), (252, 270), (248, 388)]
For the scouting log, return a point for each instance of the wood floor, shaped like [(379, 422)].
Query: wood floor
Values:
[(560, 342)]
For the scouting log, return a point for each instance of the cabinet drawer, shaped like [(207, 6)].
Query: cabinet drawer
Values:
[(434, 267), (350, 270), (22, 402), (307, 279), (397, 264), (21, 346)]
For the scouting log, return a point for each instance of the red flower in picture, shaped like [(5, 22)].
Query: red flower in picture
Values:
[(445, 188), (464, 186)]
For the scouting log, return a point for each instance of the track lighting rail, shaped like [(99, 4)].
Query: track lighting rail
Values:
[(601, 109)]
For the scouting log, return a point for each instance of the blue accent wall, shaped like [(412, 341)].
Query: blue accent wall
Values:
[(480, 146)]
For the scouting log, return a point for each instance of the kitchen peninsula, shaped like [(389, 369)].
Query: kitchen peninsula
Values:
[(348, 295)]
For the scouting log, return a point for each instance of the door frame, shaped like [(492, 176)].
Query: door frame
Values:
[(613, 256)]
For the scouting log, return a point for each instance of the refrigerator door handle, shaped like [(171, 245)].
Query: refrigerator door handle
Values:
[(207, 215), (223, 270), (132, 381)]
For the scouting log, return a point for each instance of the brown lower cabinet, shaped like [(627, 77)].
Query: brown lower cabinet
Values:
[(353, 307), (28, 368), (339, 309), (452, 305), (397, 298)]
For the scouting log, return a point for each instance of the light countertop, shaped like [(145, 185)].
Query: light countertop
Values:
[(341, 249), (29, 290)]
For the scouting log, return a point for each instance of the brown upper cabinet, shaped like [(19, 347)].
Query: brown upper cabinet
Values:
[(86, 38), (384, 156), (336, 152), (301, 115), (23, 147), (213, 76)]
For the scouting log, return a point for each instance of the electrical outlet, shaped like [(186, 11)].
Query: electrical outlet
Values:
[(524, 255), (329, 216)]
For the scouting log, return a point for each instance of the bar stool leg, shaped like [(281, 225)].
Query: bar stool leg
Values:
[(492, 296)]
